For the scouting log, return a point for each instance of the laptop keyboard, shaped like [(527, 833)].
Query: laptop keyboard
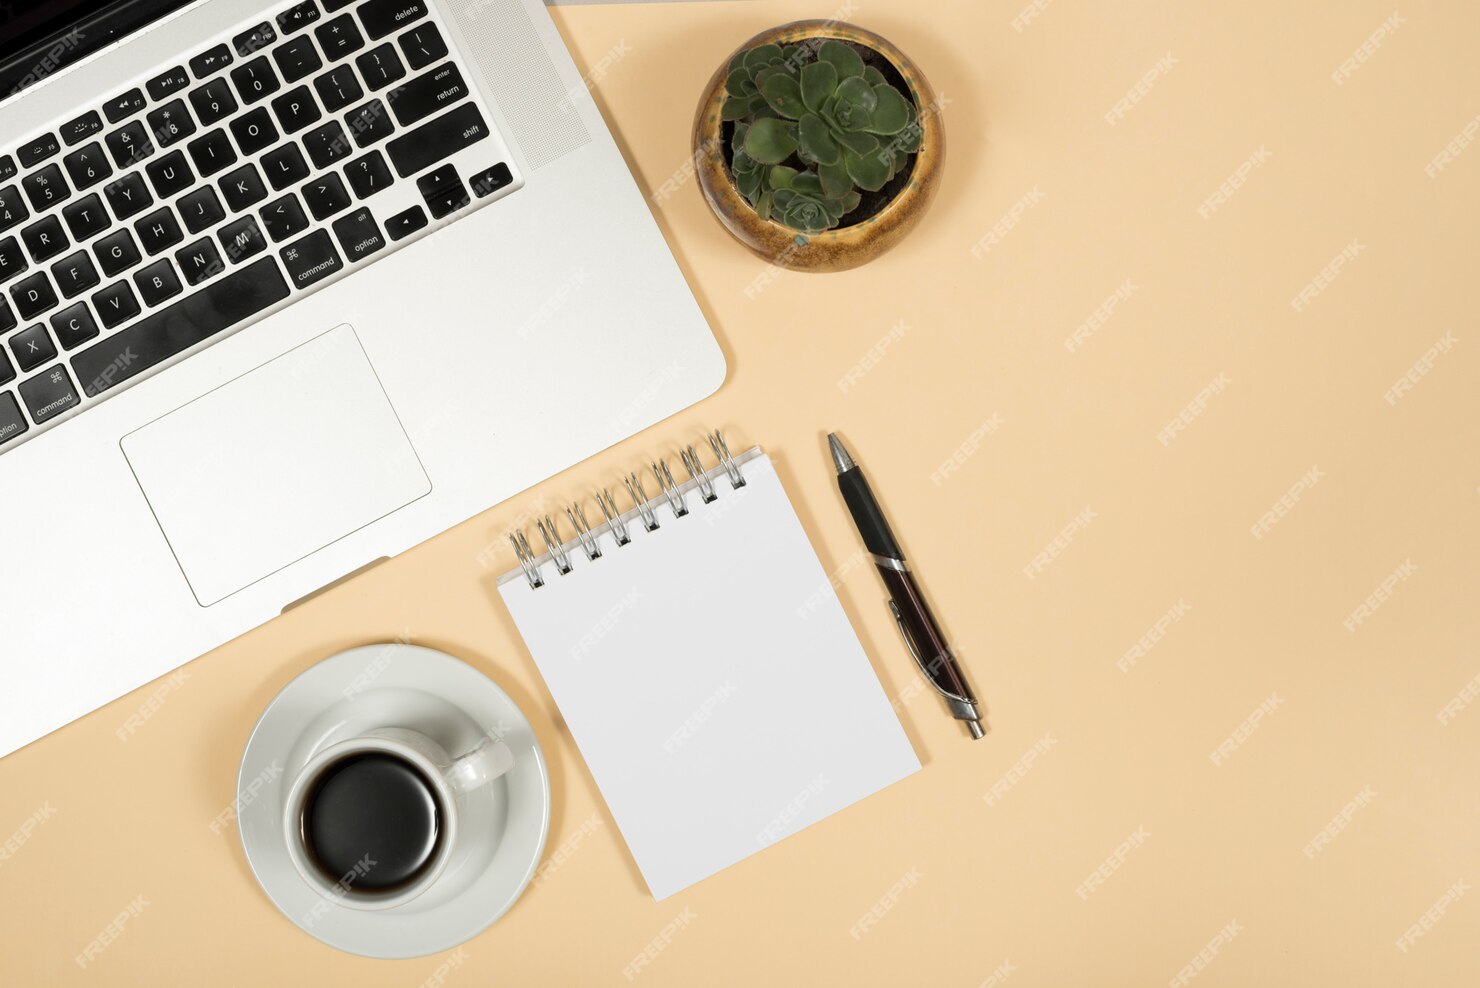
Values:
[(253, 172)]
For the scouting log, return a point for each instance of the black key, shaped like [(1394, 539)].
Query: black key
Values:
[(443, 191), (254, 131), (339, 37), (490, 180), (157, 282), (213, 102), (170, 175), (49, 393), (116, 252), (368, 174), (74, 326), (45, 188), (129, 195), (325, 196), (33, 296), (129, 143), (12, 422), (7, 374), (82, 128), (297, 59), (75, 274), (12, 260), (32, 347), (370, 123), (7, 318), (297, 17), (426, 94), (332, 5), (241, 239), (124, 105), (436, 139), (116, 304), (157, 337), (311, 259), (158, 231), (358, 235), (210, 61), (167, 84), (7, 167), (258, 38), (296, 109), (243, 187), (338, 88), (37, 150), (212, 152), (170, 123), (12, 210), (326, 144), (255, 80), (200, 261), (381, 66), (86, 218), (283, 218), (381, 17), (88, 165), (200, 209), (45, 239), (285, 166), (422, 46)]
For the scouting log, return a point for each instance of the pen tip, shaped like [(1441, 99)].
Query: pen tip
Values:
[(841, 459)]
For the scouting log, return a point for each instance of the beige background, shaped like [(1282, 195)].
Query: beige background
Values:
[(986, 884)]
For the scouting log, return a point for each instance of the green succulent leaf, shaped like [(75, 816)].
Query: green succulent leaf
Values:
[(843, 58), (866, 170), (770, 141), (835, 180), (818, 82), (793, 54), (891, 112), (815, 142), (759, 58), (738, 62), (855, 104), (851, 201), (807, 182), (735, 109), (738, 83), (782, 198), (785, 95), (749, 183), (858, 143), (782, 176), (756, 103), (763, 205), (873, 76)]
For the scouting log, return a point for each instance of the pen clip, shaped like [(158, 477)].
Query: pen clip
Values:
[(909, 643)]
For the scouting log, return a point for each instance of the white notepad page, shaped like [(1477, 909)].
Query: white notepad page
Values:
[(711, 680)]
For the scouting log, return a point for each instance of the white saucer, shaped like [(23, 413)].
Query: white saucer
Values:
[(425, 690)]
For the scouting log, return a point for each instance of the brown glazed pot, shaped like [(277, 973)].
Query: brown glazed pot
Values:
[(845, 246)]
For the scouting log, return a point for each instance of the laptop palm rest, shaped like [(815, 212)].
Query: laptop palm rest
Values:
[(275, 465)]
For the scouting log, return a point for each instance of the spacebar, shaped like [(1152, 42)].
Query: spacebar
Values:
[(162, 334)]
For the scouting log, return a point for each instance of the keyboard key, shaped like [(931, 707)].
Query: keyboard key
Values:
[(45, 239), (163, 86), (432, 141), (12, 210), (212, 152), (157, 282), (443, 191), (129, 143), (123, 105), (422, 46), (7, 318), (213, 102), (426, 94), (255, 80), (338, 88), (368, 174), (285, 166), (32, 347), (370, 123), (339, 37), (381, 17), (210, 62), (116, 304), (49, 393), (37, 150), (326, 144), (241, 239), (12, 422), (325, 196), (297, 17), (490, 180), (128, 196), (332, 5), (33, 296), (45, 188), (170, 123), (200, 209), (87, 166), (254, 131), (296, 109), (12, 260), (381, 66), (82, 128), (242, 188), (311, 259), (219, 305), (74, 326), (7, 167), (358, 235), (116, 252), (158, 231), (200, 261), (258, 38), (86, 218), (297, 59), (75, 274), (283, 218), (170, 175)]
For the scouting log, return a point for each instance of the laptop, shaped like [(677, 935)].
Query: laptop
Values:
[(285, 289)]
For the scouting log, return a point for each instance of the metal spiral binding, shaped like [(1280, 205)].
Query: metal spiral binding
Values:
[(670, 489), (613, 516), (640, 498), (526, 560), (552, 542), (722, 451), (577, 516), (696, 473)]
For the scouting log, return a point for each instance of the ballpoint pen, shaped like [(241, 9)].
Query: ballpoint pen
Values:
[(922, 635)]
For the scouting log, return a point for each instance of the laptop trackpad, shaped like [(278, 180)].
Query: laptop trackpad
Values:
[(275, 465)]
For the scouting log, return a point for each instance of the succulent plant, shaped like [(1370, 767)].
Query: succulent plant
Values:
[(839, 119)]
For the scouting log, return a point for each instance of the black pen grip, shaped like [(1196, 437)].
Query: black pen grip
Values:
[(877, 537)]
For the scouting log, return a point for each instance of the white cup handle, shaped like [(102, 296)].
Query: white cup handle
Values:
[(480, 766)]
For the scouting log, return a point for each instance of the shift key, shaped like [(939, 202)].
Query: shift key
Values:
[(437, 139)]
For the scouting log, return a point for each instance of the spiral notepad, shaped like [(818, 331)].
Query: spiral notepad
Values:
[(698, 653)]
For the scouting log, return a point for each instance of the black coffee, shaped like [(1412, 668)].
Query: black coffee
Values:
[(371, 823)]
